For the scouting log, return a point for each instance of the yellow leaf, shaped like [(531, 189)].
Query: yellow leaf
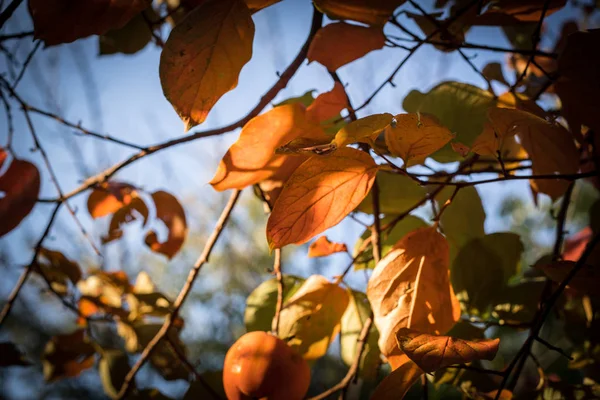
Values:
[(312, 316), (252, 158), (172, 214), (203, 57), (338, 44), (404, 374), (550, 146), (319, 194), (362, 130), (416, 136), (322, 247), (20, 185), (432, 352), (410, 287), (64, 21), (371, 12), (327, 105)]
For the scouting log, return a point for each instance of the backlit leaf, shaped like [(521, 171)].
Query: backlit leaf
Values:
[(261, 303), (338, 44), (371, 12), (319, 194), (20, 185), (272, 186), (327, 105), (397, 194), (410, 287), (460, 148), (203, 57), (487, 143), (387, 239), (252, 157), (550, 147), (458, 106), (311, 317), (352, 323), (132, 211), (63, 21), (362, 130), (432, 352), (169, 211), (415, 136), (109, 197), (396, 384), (256, 5), (322, 247)]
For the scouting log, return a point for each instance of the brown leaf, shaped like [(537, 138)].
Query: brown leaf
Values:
[(125, 215), (550, 147), (432, 352), (404, 374), (452, 37), (252, 157), (460, 148), (311, 317), (203, 57), (327, 105), (371, 12), (493, 71), (109, 197), (585, 281), (525, 10), (64, 21), (66, 356), (338, 44), (172, 214), (58, 266), (20, 187), (416, 136), (410, 287), (322, 247), (319, 194)]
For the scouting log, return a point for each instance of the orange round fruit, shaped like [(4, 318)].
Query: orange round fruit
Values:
[(262, 366)]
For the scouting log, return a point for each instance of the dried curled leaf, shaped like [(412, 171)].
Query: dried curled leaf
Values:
[(322, 247), (550, 146), (327, 105), (416, 136), (410, 287), (338, 44), (362, 130), (172, 214), (20, 185), (128, 213), (203, 57), (109, 197), (64, 21), (319, 194), (252, 157), (311, 317), (432, 352)]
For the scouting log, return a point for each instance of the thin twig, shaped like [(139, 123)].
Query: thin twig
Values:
[(280, 288), (553, 347), (183, 293), (8, 11), (26, 64)]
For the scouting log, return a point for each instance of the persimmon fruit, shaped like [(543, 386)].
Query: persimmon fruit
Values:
[(262, 366)]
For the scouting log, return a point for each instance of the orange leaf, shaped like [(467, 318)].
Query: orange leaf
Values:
[(432, 352), (410, 287), (172, 214), (67, 356), (416, 136), (488, 142), (460, 148), (322, 247), (404, 374), (272, 187), (108, 198), (63, 21), (252, 157), (338, 44), (550, 146), (327, 105), (124, 215), (371, 12), (203, 57), (362, 130), (21, 186), (319, 194)]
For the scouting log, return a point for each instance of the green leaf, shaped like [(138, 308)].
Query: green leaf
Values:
[(397, 194), (352, 323), (458, 106), (260, 305), (483, 268), (131, 38), (113, 367), (388, 240), (464, 218), (198, 389)]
